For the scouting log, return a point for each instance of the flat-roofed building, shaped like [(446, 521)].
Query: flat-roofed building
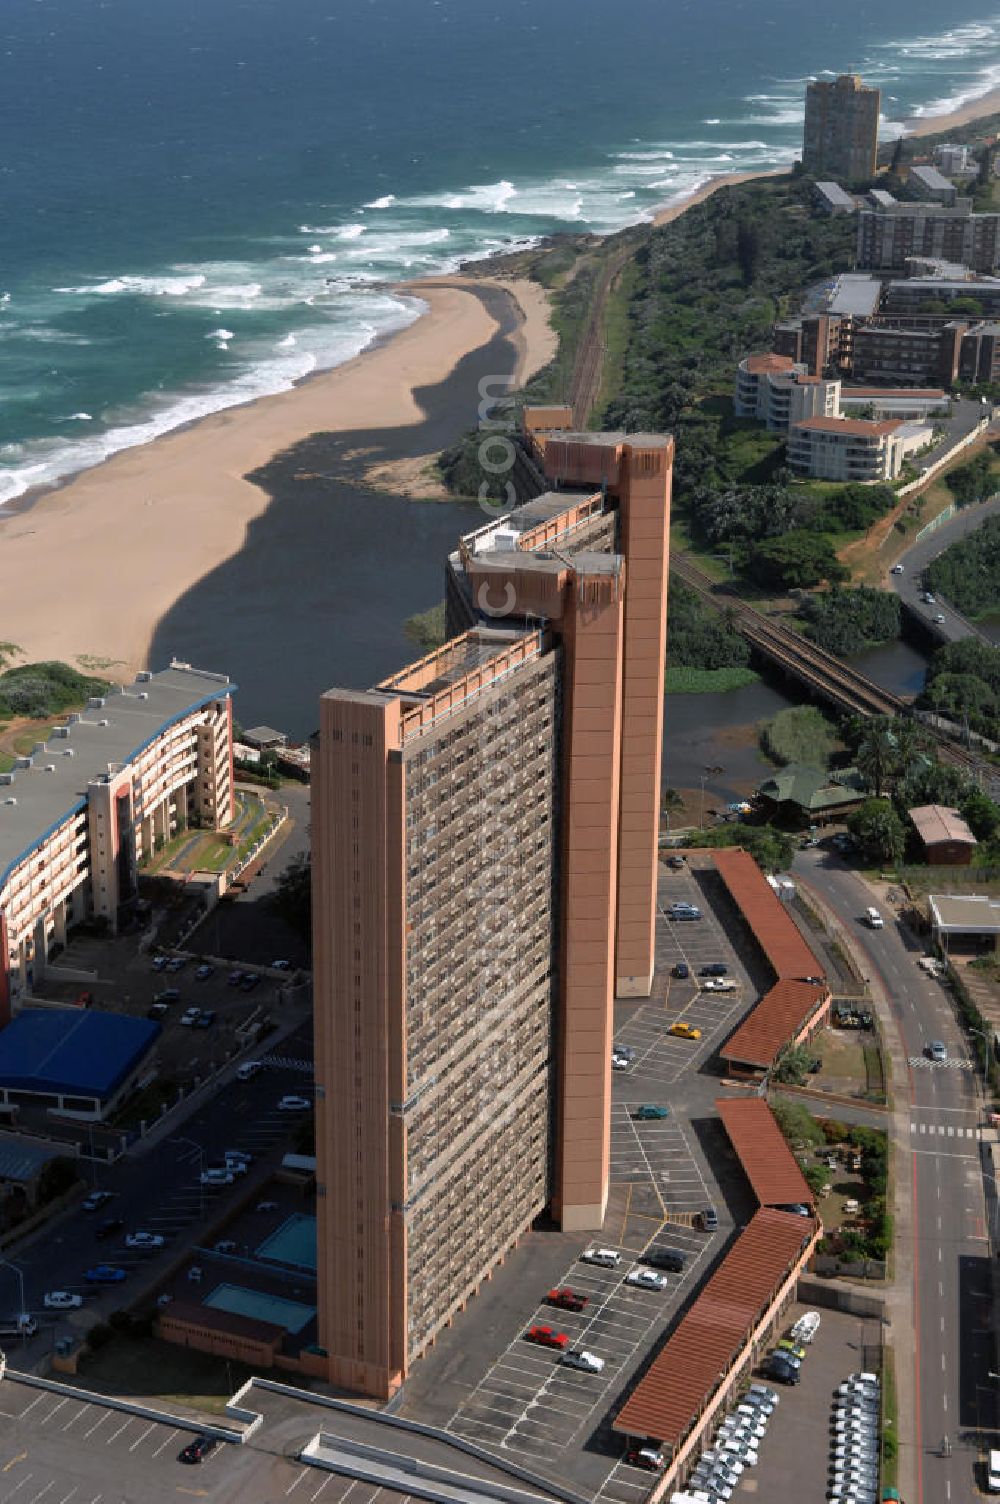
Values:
[(81, 812), (840, 131), (897, 352), (894, 402), (485, 831), (888, 237), (778, 392), (950, 158), (833, 199)]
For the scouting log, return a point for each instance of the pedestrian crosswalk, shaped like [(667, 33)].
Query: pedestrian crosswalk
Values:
[(288, 1064), (943, 1065), (946, 1130)]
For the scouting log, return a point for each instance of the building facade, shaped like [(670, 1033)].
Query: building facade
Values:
[(840, 134), (888, 237), (484, 880), (853, 449), (81, 812), (779, 392)]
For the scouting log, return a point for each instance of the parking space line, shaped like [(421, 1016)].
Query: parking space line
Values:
[(142, 1438), (26, 1479), (128, 1421), (36, 1401), (43, 1491), (296, 1481), (74, 1418), (99, 1422), (66, 1497), (165, 1442)]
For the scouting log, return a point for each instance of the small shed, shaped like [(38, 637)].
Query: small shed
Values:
[(265, 738), (946, 838)]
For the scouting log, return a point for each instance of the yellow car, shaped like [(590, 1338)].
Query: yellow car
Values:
[(685, 1031)]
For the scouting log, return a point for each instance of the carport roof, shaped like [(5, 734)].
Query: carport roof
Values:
[(964, 914), (768, 1163), (774, 1022), (774, 930), (709, 1338)]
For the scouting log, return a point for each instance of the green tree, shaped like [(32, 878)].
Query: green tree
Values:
[(673, 804), (878, 830), (981, 813), (797, 1123), (793, 1065), (848, 621), (771, 849), (57, 1176), (801, 733), (877, 754), (796, 560)]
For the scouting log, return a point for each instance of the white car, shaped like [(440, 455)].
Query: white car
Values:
[(584, 1361), (236, 1166), (620, 1062), (646, 1279), (217, 1177), (806, 1327), (898, 569), (606, 1257), (144, 1240), (62, 1300), (248, 1070), (718, 984), (294, 1104)]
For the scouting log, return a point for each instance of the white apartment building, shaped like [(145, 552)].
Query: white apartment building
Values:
[(776, 391), (853, 449), (81, 812)]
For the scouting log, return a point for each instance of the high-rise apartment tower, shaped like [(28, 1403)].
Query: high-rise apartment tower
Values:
[(484, 881), (840, 136)]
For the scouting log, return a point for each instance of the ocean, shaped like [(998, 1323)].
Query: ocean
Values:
[(205, 200)]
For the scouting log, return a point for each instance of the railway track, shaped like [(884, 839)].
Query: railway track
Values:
[(822, 672)]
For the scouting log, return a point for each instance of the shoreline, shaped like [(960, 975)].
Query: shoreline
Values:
[(123, 541)]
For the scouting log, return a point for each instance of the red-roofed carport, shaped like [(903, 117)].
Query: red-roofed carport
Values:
[(775, 931), (768, 1163)]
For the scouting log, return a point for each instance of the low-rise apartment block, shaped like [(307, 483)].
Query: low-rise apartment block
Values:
[(779, 391), (485, 831), (81, 812), (889, 236), (853, 449)]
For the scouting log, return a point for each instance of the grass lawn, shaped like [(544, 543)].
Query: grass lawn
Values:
[(843, 1056), (159, 1371), (707, 681)]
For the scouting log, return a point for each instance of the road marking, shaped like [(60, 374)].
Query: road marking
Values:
[(165, 1442), (942, 1363), (142, 1438), (66, 1497), (99, 1422), (13, 1461), (26, 1479), (296, 1481), (43, 1491), (942, 1323), (940, 1287), (319, 1490), (944, 1401), (128, 1422)]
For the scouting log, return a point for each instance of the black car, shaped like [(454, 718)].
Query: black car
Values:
[(199, 1449), (670, 1259), (205, 1020), (714, 969), (675, 862), (109, 1227), (682, 970), (783, 1373)]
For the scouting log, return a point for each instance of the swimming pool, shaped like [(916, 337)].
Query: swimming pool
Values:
[(294, 1242), (293, 1315)]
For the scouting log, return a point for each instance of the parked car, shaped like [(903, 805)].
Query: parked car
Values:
[(281, 965), (684, 1031), (251, 979), (648, 1458), (646, 1279), (234, 979), (684, 911), (205, 1019), (177, 963), (619, 1062), (898, 569), (682, 971), (216, 1176), (190, 1017), (290, 1103), (199, 1449), (664, 1258), (707, 1219), (760, 1394), (224, 1245), (786, 1345), (104, 1274), (109, 1227), (248, 1070), (806, 1327), (714, 969), (584, 1361), (939, 618), (62, 1300), (168, 995), (606, 1257), (718, 984), (784, 1373), (266, 1206), (204, 971), (675, 862), (96, 1199), (235, 1166), (157, 1010), (567, 1300), (159, 963), (929, 598), (144, 1240), (547, 1336), (650, 1112), (240, 1154)]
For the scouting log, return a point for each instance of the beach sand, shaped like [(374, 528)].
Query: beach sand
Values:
[(934, 125), (91, 568)]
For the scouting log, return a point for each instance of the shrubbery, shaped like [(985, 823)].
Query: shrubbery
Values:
[(799, 734), (44, 689), (848, 621), (968, 572)]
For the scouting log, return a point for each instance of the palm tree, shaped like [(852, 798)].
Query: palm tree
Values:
[(878, 757), (673, 804)]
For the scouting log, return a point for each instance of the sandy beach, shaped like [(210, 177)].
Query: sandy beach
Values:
[(110, 552)]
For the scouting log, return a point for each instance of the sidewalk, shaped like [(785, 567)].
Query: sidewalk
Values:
[(901, 1296)]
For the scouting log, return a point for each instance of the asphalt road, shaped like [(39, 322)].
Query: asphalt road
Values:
[(909, 585), (157, 1190), (954, 1349)]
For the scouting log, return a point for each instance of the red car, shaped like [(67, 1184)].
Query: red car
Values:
[(645, 1457), (546, 1336), (567, 1299)]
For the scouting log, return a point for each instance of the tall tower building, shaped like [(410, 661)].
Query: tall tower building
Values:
[(484, 880), (840, 137)]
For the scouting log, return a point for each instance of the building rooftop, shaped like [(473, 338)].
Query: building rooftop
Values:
[(264, 736), (880, 198), (966, 914), (855, 295), (892, 393), (835, 195), (936, 822), (812, 788), (686, 1371), (612, 440), (774, 930), (45, 789), (768, 1163), (932, 180), (21, 1159), (507, 531), (759, 365), (76, 1051), (773, 1024), (861, 428), (448, 665)]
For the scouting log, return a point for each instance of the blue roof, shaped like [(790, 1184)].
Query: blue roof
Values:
[(80, 1052)]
